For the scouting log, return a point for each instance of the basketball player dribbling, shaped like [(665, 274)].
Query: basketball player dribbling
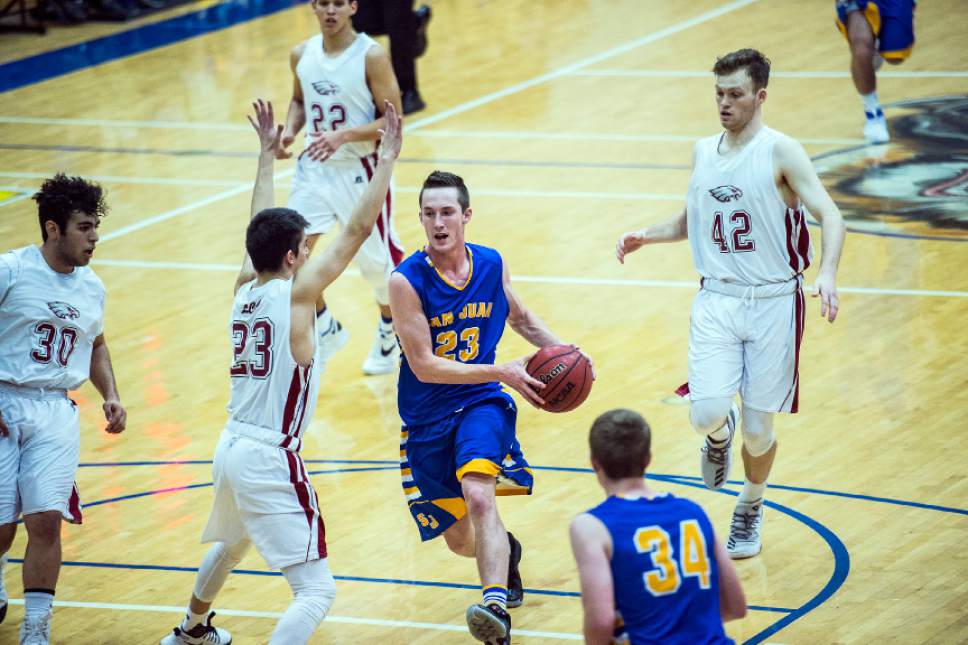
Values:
[(341, 81), (746, 224), (263, 495)]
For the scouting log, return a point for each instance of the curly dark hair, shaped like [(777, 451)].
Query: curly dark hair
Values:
[(443, 179), (757, 66), (61, 195)]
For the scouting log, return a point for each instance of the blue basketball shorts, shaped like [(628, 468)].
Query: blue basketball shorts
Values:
[(435, 456), (892, 22)]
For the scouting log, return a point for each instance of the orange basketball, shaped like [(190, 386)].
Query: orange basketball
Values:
[(567, 376)]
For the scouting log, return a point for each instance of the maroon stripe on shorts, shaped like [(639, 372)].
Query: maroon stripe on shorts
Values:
[(798, 305), (302, 494), (74, 505), (320, 527)]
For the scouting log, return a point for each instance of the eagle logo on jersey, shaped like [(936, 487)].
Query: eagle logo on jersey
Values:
[(63, 310), (726, 193), (326, 88)]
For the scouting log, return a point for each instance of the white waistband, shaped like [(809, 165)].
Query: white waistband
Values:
[(264, 435), (752, 291), (43, 393)]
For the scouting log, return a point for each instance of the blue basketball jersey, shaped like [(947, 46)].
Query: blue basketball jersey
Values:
[(664, 570), (466, 324)]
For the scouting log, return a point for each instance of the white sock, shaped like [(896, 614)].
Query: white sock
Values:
[(192, 619), (871, 104), (37, 603), (752, 492)]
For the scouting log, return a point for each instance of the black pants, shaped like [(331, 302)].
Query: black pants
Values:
[(395, 19)]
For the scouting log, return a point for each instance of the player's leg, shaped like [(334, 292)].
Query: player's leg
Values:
[(860, 22), (460, 537), (715, 374), (759, 450), (313, 590), (9, 496)]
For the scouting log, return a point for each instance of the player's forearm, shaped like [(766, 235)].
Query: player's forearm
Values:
[(534, 330), (262, 192), (671, 230), (368, 132), (102, 372), (433, 369), (832, 235), (295, 118)]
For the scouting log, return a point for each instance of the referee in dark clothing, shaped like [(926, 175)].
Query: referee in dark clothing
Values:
[(407, 30)]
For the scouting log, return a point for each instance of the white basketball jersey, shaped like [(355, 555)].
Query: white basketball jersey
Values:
[(48, 321), (271, 393), (740, 229), (335, 93)]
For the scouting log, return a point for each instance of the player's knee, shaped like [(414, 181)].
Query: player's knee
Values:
[(7, 533), (313, 587), (862, 47), (758, 435), (479, 499), (709, 415)]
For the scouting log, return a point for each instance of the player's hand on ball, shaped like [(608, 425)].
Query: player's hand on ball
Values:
[(115, 415), (391, 135), (826, 288), (265, 126), (628, 243), (588, 358), (515, 375)]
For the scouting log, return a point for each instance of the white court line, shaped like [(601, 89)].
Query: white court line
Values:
[(605, 282), (667, 73), (377, 622), (464, 107)]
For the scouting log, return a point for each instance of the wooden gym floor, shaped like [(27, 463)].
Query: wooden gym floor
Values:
[(571, 122)]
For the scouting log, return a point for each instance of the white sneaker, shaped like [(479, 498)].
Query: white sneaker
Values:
[(384, 355), (875, 130), (744, 530), (200, 634), (3, 589), (715, 460), (35, 630), (331, 340)]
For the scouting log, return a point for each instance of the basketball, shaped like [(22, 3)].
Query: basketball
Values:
[(567, 376)]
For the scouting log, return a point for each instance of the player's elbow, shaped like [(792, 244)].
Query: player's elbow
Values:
[(599, 627), (733, 613), (732, 606)]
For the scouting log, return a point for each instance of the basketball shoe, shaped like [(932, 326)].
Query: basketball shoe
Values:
[(715, 457), (200, 634), (385, 354), (489, 624), (3, 589), (875, 128), (35, 630), (744, 530), (331, 340), (515, 586)]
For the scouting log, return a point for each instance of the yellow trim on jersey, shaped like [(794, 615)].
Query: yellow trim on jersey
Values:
[(470, 274), (403, 453), (481, 466), (405, 472), (412, 489), (898, 54)]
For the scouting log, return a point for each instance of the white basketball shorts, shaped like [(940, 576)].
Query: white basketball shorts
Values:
[(39, 457), (747, 340), (326, 192), (263, 493)]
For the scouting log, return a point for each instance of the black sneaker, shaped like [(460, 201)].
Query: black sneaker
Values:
[(515, 586), (412, 102), (489, 624), (423, 15)]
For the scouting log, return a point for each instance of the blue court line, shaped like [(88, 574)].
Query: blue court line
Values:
[(393, 581), (51, 64)]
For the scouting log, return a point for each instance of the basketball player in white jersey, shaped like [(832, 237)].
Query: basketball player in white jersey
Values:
[(263, 495), (341, 78), (51, 341), (745, 220)]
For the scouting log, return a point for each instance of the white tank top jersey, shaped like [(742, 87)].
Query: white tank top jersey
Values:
[(273, 397), (740, 229), (335, 93), (48, 321)]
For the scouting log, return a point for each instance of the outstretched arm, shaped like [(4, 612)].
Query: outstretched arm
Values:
[(799, 173), (411, 325), (524, 321), (262, 192), (591, 545), (102, 377), (671, 230), (383, 86)]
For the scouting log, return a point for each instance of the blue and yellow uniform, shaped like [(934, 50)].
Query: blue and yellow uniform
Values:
[(892, 22), (663, 570), (450, 430)]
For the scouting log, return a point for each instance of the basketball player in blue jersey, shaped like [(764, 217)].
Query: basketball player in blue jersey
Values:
[(651, 568), (458, 449)]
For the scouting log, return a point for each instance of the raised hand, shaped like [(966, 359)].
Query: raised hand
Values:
[(826, 288), (391, 136), (628, 243), (264, 124), (515, 375)]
